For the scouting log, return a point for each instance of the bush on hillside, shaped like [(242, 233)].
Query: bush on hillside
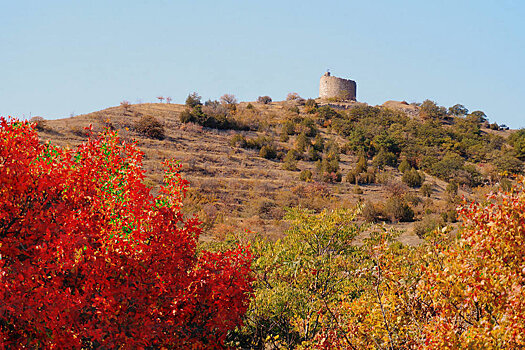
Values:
[(264, 99), (413, 178), (193, 100), (149, 126)]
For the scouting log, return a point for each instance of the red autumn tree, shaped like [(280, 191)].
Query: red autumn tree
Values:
[(89, 258)]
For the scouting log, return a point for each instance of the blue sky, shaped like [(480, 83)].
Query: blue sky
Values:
[(64, 57)]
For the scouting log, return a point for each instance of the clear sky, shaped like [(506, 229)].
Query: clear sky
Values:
[(64, 57)]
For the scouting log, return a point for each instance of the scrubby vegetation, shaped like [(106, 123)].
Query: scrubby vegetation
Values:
[(302, 186)]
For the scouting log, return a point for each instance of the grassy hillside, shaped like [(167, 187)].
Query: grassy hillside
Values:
[(408, 165)]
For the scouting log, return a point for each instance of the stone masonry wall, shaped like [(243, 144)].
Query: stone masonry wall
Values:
[(337, 87)]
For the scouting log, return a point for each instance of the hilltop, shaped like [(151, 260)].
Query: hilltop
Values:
[(251, 160)]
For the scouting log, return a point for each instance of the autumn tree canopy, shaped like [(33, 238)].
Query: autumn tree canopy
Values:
[(89, 258)]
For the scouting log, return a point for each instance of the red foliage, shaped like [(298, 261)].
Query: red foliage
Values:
[(89, 258)]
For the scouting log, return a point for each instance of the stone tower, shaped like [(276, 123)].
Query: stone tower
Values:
[(333, 87)]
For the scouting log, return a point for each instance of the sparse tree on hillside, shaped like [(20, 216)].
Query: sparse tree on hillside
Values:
[(126, 105), (160, 98), (228, 99), (264, 99), (168, 100), (292, 96)]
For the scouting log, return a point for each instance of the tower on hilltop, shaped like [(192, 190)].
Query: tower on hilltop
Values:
[(334, 87)]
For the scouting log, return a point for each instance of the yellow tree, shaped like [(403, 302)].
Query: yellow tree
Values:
[(476, 288)]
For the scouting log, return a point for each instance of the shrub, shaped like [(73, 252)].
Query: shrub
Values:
[(426, 190), (413, 178), (313, 155), (428, 224), (193, 100), (150, 127), (91, 259), (40, 123), (494, 126), (397, 209), (384, 158), (126, 105), (430, 110), (404, 166), (264, 99), (452, 188), (310, 106), (80, 131), (294, 109), (305, 175), (268, 152), (288, 127), (293, 96), (318, 143), (238, 140), (290, 160), (352, 177), (369, 212), (458, 110), (228, 99), (332, 177), (301, 142)]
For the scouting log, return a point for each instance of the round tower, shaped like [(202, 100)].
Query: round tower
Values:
[(334, 87)]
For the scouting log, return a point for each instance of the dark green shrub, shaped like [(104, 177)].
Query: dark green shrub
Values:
[(351, 177), (187, 117), (413, 178), (288, 127), (448, 167), (384, 158), (404, 166), (308, 127), (426, 190), (268, 152), (361, 164), (193, 100), (313, 155), (149, 126), (318, 143), (301, 142), (290, 160), (450, 215)]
